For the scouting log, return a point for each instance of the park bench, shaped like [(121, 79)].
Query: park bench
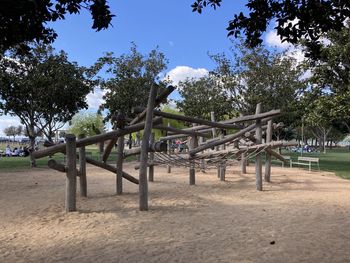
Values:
[(306, 161)]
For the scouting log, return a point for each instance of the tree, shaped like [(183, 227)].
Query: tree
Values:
[(42, 88), (327, 102), (318, 116), (13, 131), (295, 20), (10, 131), (331, 72), (132, 76), (19, 130), (258, 75), (202, 96), (87, 124), (28, 20)]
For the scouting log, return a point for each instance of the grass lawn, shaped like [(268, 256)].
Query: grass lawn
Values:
[(335, 160), (23, 163)]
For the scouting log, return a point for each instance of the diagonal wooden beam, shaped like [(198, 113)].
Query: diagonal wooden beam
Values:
[(111, 169)]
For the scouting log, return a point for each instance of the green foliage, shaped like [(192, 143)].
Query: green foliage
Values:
[(42, 88), (13, 131), (258, 75), (28, 20), (88, 124), (326, 103), (295, 20), (132, 76), (201, 96), (331, 77), (173, 123)]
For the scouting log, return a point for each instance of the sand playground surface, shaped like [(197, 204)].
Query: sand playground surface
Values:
[(300, 216)]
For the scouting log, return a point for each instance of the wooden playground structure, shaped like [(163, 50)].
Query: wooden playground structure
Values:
[(210, 145)]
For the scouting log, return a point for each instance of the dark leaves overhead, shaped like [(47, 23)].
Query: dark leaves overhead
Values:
[(26, 20), (296, 19)]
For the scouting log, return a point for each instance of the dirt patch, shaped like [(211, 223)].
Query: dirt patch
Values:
[(300, 216)]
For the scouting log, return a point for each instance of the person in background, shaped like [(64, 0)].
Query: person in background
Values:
[(8, 151)]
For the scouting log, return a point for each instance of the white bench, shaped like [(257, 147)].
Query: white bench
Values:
[(307, 161)]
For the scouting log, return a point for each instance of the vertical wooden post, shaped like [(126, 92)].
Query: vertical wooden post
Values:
[(202, 165), (213, 130), (82, 169), (119, 165), (193, 144), (151, 159), (138, 143), (223, 162), (258, 161), (169, 152), (243, 164), (268, 156), (71, 180), (143, 184), (101, 147)]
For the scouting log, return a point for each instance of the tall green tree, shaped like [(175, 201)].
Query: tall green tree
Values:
[(258, 75), (42, 88), (131, 78), (11, 131), (202, 96), (87, 124), (327, 100)]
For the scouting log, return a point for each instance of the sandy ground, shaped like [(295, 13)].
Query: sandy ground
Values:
[(300, 217)]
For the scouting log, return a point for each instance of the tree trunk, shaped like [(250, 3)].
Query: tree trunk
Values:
[(32, 147), (130, 141)]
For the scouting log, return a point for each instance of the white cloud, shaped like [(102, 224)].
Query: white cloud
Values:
[(272, 39), (94, 99), (181, 73)]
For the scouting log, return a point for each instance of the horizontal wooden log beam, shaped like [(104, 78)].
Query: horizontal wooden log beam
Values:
[(238, 152), (56, 166), (93, 139), (190, 119), (158, 146), (268, 150), (235, 121), (133, 151), (111, 169), (59, 166), (181, 132)]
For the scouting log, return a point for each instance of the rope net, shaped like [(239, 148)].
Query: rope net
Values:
[(216, 159)]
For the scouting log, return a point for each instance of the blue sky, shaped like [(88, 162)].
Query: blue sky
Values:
[(183, 36)]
